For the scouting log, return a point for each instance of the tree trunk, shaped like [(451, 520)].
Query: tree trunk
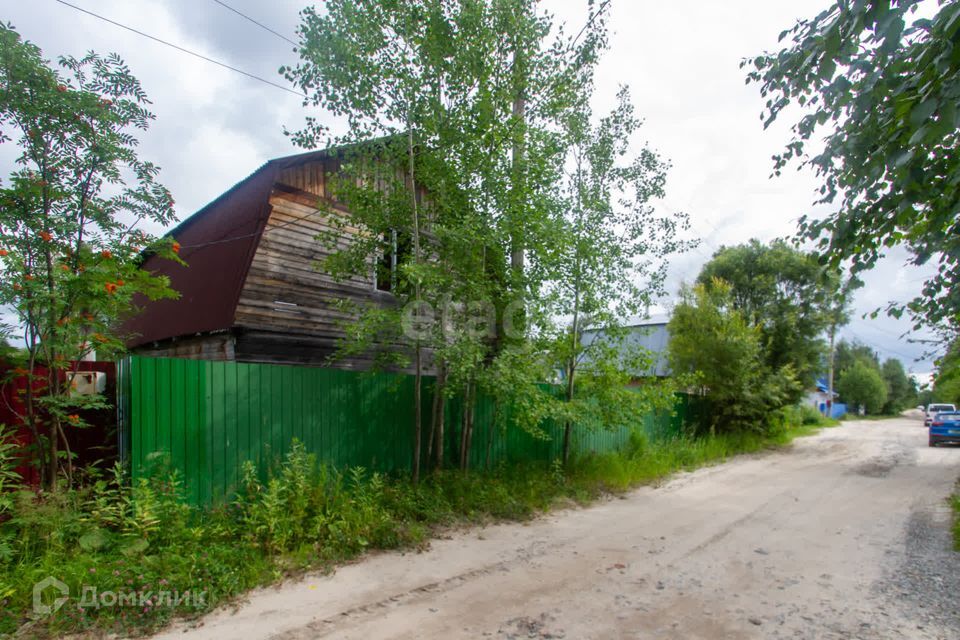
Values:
[(568, 427), (441, 440), (418, 377), (490, 430), (53, 452), (417, 415), (462, 454), (31, 419), (517, 162), (575, 324), (67, 452), (572, 364), (433, 419), (518, 169), (466, 429), (435, 441), (470, 417)]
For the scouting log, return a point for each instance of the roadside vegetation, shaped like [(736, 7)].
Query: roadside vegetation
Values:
[(756, 330), (537, 204), (882, 388), (143, 539), (946, 382), (72, 212), (955, 504)]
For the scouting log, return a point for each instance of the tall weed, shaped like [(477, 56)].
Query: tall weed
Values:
[(116, 535)]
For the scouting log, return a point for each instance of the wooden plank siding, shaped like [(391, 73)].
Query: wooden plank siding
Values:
[(288, 306), (309, 177), (286, 309), (214, 346)]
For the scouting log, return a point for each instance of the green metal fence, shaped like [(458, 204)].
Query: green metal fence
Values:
[(206, 418)]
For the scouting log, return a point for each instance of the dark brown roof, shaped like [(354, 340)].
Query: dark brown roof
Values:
[(217, 243)]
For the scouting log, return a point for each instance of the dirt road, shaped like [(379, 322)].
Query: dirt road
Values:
[(845, 535)]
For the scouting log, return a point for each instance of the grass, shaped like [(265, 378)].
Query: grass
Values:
[(955, 504), (142, 543)]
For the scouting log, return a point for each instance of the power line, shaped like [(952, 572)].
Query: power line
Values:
[(898, 336), (179, 48), (887, 350), (259, 24), (590, 21)]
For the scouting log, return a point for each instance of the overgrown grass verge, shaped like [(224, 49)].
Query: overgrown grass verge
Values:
[(955, 503), (133, 558)]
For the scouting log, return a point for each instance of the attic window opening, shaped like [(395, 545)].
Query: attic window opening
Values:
[(396, 251)]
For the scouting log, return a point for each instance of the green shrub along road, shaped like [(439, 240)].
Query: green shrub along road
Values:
[(143, 541)]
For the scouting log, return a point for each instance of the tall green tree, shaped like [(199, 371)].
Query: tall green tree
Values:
[(475, 129), (901, 391), (848, 353), (70, 217), (712, 340), (877, 81), (946, 382), (610, 262), (861, 385), (779, 290)]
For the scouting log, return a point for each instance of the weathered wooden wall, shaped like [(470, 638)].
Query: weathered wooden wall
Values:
[(212, 346), (309, 177), (287, 312)]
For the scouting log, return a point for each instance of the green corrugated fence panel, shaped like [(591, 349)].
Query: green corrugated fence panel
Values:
[(205, 419)]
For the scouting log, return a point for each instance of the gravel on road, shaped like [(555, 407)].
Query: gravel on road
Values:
[(843, 535)]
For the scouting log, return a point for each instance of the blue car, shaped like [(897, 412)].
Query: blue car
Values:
[(945, 427)]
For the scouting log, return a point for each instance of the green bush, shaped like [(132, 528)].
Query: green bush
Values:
[(311, 505), (139, 539), (142, 538), (804, 416), (715, 343), (955, 504), (810, 416)]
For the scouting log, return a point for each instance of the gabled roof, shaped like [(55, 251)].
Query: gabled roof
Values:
[(217, 243)]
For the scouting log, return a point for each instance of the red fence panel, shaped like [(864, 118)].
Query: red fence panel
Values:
[(96, 443)]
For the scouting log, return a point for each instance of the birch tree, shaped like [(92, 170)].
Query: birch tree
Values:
[(610, 265), (436, 84)]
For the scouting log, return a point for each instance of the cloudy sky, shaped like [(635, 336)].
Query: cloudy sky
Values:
[(680, 58)]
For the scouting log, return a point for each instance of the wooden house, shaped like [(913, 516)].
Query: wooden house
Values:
[(252, 290)]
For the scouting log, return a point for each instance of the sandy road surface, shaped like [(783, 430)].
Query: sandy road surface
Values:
[(842, 536)]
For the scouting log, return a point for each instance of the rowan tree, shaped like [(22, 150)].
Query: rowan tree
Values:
[(71, 213)]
